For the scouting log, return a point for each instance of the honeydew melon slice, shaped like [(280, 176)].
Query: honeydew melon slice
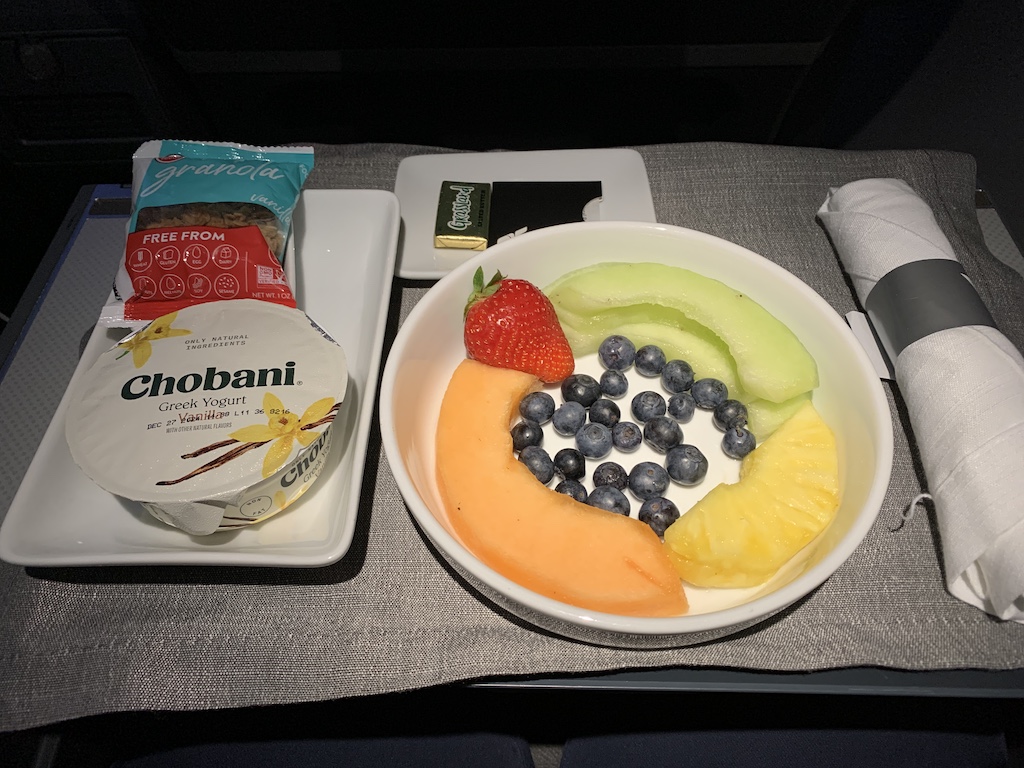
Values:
[(707, 354), (706, 359), (764, 416), (699, 341), (771, 362), (642, 314)]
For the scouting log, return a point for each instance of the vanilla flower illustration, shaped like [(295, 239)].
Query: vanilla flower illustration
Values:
[(140, 343), (282, 430)]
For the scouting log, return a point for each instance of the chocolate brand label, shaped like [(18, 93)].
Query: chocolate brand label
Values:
[(463, 215)]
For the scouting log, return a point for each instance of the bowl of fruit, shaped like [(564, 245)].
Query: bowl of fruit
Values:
[(634, 434)]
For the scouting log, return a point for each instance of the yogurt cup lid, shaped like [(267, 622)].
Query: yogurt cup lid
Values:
[(206, 402)]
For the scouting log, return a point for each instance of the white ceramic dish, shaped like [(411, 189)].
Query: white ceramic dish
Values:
[(626, 193), (345, 244), (850, 398)]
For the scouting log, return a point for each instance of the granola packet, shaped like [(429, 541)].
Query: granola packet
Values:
[(209, 222)]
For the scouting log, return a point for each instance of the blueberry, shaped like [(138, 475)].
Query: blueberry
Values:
[(677, 376), (729, 414), (650, 360), (738, 442), (526, 433), (681, 407), (610, 473), (647, 480), (662, 433), (659, 513), (646, 405), (613, 383), (569, 418), (626, 436), (616, 353), (537, 407), (594, 440), (707, 393), (686, 464), (604, 411), (609, 498), (580, 388), (573, 488), (537, 461), (570, 464)]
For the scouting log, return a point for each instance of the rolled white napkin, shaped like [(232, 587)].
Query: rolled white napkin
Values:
[(962, 380)]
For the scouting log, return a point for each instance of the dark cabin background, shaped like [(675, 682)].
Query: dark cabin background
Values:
[(84, 82)]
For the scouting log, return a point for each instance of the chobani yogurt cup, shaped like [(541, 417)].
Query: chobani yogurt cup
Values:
[(213, 417)]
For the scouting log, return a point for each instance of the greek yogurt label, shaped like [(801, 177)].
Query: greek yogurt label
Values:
[(213, 417)]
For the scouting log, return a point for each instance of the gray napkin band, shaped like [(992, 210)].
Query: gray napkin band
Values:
[(920, 298)]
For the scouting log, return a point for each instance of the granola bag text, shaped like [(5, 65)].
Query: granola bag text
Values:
[(209, 222)]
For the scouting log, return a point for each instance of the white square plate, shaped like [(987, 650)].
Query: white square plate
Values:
[(626, 193), (345, 245)]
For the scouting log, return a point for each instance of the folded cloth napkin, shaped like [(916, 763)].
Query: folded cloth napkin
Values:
[(962, 380)]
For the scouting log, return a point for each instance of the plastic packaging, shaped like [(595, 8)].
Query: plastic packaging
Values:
[(209, 222), (214, 417)]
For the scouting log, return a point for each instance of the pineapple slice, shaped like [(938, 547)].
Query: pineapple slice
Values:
[(739, 535)]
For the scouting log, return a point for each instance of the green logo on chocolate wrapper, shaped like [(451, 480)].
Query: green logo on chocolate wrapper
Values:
[(462, 207)]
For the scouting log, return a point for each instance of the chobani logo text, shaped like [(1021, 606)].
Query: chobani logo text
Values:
[(307, 468), (160, 384)]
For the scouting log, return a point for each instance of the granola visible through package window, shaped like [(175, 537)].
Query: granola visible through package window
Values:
[(222, 215)]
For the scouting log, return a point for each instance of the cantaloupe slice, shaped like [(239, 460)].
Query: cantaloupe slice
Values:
[(540, 539)]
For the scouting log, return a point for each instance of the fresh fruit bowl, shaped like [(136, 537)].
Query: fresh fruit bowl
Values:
[(849, 398)]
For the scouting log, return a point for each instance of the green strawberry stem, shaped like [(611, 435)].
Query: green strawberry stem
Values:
[(481, 291)]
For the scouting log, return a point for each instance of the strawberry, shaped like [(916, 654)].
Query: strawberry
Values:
[(512, 324)]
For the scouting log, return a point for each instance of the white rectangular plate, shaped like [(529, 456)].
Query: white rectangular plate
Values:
[(345, 246), (626, 193)]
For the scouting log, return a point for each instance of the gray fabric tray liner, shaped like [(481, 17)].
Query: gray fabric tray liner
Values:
[(390, 616)]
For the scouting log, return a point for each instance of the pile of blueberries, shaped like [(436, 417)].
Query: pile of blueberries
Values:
[(590, 415)]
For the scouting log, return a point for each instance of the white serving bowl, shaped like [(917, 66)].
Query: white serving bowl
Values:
[(850, 398)]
